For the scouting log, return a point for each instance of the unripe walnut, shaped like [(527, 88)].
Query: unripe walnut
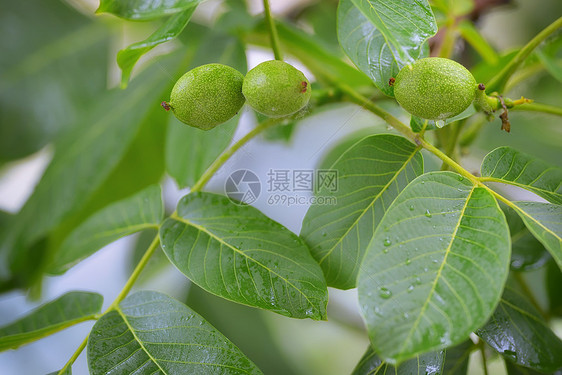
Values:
[(435, 88), (276, 89), (207, 96)]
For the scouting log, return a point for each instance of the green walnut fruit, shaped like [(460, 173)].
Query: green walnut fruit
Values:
[(276, 89), (207, 96), (435, 88)]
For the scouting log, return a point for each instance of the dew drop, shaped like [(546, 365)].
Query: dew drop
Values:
[(387, 242), (378, 311), (461, 178), (440, 123), (410, 288), (385, 251), (324, 234), (405, 315), (418, 281), (427, 213), (408, 261), (510, 354), (385, 293), (412, 207)]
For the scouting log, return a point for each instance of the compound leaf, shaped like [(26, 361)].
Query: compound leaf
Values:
[(510, 166), (238, 253), (67, 310), (150, 332), (370, 174), (141, 211), (435, 268), (428, 364), (519, 333), (140, 10)]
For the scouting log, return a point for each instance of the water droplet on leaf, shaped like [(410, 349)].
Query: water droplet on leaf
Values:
[(427, 213), (385, 293)]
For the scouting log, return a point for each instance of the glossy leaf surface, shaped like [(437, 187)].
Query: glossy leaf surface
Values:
[(381, 37), (427, 364), (510, 166), (370, 174), (67, 310), (520, 334), (150, 332), (141, 211), (456, 359), (435, 269), (144, 9), (238, 253)]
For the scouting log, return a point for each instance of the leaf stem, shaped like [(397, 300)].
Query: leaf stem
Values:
[(272, 31), (482, 349), (537, 107), (136, 273), (218, 163), (499, 81), (74, 356)]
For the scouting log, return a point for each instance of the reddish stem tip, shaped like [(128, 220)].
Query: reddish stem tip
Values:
[(166, 106), (481, 87), (391, 81), (304, 86)]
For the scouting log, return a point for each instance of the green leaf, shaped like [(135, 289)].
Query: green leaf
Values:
[(428, 364), (140, 10), (142, 211), (150, 332), (456, 359), (544, 220), (46, 49), (551, 56), (248, 328), (518, 370), (510, 166), (367, 45), (435, 268), (527, 253), (238, 253), (554, 289), (519, 333), (67, 310), (128, 57), (83, 160), (370, 174)]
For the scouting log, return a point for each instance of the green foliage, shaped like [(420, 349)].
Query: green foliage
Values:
[(513, 167), (430, 252), (152, 332), (67, 310), (440, 255), (128, 57), (429, 364), (236, 252), (141, 10), (518, 332), (139, 212), (339, 234)]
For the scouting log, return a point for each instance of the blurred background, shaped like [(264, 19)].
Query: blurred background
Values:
[(57, 58)]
